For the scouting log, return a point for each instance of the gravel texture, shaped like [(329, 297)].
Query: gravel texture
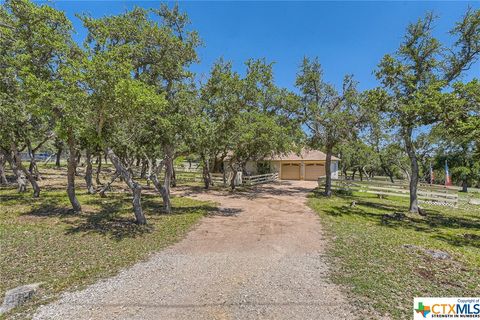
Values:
[(260, 257)]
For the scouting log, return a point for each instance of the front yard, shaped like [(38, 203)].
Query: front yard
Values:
[(383, 260), (41, 241)]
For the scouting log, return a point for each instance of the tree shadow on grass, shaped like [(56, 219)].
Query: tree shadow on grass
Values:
[(48, 207), (17, 198), (155, 207), (384, 213), (111, 216), (192, 209), (113, 220), (50, 210), (109, 222), (460, 240)]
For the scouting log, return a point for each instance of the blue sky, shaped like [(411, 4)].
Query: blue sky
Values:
[(348, 37)]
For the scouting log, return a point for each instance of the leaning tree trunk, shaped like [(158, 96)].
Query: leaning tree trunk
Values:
[(384, 167), (32, 151), (19, 175), (389, 173), (89, 172), (414, 171), (3, 176), (153, 176), (18, 161), (32, 168), (328, 173), (134, 186), (164, 191), (366, 173), (71, 172), (108, 184)]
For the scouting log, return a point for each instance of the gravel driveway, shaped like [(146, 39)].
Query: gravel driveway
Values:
[(261, 257)]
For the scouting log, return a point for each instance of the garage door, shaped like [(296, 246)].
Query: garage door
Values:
[(314, 170), (291, 171)]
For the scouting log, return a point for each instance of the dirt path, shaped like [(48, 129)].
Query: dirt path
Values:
[(262, 257)]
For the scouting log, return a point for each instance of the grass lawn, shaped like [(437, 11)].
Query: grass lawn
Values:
[(41, 241), (370, 258)]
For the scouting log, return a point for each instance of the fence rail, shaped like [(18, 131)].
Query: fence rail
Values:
[(436, 195), (261, 178), (217, 178)]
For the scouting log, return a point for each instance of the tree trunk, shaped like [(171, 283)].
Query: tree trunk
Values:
[(32, 168), (89, 172), (19, 175), (234, 176), (132, 184), (18, 161), (224, 177), (107, 185), (353, 173), (328, 173), (464, 185), (59, 145), (389, 173), (32, 151), (58, 157), (366, 174), (174, 176), (165, 190), (384, 167), (71, 171), (149, 171), (3, 176), (207, 177), (79, 157), (99, 170), (414, 171), (143, 170)]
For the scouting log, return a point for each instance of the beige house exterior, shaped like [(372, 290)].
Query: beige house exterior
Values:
[(308, 165)]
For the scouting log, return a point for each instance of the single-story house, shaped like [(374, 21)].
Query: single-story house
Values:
[(308, 165)]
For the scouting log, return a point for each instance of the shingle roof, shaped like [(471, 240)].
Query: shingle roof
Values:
[(305, 154)]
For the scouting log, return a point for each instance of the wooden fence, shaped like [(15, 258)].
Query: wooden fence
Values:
[(217, 178), (260, 178), (431, 194)]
